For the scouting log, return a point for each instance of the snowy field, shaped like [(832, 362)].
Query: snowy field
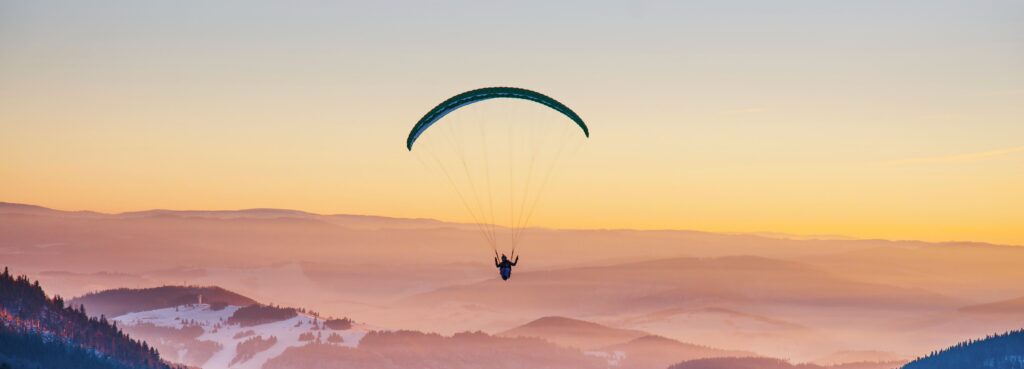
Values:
[(215, 329)]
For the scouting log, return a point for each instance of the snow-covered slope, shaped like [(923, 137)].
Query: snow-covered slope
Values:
[(215, 328)]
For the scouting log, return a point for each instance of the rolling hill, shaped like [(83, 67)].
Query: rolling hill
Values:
[(1011, 307), (659, 352), (780, 295), (408, 349), (573, 332), (112, 303)]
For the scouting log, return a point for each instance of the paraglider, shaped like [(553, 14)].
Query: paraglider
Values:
[(505, 266), (498, 157)]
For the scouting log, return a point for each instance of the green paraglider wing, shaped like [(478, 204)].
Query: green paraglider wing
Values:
[(486, 93)]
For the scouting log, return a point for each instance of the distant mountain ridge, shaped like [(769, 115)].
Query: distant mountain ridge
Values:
[(270, 213), (252, 213), (1011, 306), (28, 209), (573, 332), (623, 348), (729, 279)]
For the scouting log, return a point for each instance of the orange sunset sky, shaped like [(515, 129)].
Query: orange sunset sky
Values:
[(887, 119)]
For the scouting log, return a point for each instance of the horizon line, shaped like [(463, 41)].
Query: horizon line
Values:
[(760, 234)]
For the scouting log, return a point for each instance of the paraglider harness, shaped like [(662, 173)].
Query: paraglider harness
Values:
[(505, 266)]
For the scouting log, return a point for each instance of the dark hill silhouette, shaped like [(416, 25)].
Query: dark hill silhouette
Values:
[(410, 349), (660, 352), (257, 314), (119, 301), (113, 303), (573, 332), (1000, 351), (41, 332)]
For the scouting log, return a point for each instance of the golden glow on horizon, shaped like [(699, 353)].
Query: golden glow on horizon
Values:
[(764, 128)]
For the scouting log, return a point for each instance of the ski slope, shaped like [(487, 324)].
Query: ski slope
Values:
[(215, 329)]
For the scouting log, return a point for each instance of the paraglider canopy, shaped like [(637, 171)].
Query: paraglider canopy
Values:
[(487, 93)]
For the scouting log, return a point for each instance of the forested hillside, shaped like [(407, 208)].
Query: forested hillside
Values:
[(1001, 351), (41, 332)]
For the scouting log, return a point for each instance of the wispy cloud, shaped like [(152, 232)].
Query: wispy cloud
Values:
[(959, 158)]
